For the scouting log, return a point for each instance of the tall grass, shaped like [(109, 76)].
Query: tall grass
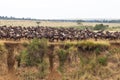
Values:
[(90, 45), (2, 51)]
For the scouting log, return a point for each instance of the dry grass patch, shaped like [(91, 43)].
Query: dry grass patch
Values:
[(90, 45), (115, 42)]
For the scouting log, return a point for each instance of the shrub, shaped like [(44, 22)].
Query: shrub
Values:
[(35, 52), (100, 27), (62, 55), (97, 51), (24, 57), (102, 60), (34, 56)]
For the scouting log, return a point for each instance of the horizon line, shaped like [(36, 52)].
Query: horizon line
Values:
[(63, 18)]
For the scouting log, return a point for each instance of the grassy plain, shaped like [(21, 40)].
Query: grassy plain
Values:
[(27, 23)]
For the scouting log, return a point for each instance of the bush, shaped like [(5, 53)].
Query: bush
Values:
[(102, 60), (97, 51), (62, 54), (100, 27), (35, 52), (24, 58)]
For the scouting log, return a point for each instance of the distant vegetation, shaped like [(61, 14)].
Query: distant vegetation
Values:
[(63, 20), (100, 27), (14, 18)]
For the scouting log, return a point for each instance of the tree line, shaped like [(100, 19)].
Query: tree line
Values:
[(64, 20)]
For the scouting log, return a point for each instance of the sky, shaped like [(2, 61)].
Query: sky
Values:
[(61, 9)]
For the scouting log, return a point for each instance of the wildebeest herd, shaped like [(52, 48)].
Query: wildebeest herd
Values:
[(52, 33)]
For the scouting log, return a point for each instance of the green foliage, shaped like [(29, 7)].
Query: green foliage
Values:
[(25, 58), (100, 27), (35, 52), (62, 54), (97, 51), (102, 60), (34, 55)]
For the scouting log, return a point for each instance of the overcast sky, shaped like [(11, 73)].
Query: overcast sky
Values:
[(61, 9)]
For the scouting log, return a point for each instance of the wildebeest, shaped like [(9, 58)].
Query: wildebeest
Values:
[(54, 34)]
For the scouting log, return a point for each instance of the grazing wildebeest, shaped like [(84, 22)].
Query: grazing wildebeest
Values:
[(54, 34)]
